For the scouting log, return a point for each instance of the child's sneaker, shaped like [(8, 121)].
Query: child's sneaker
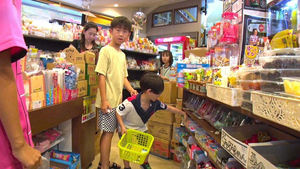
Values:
[(145, 166)]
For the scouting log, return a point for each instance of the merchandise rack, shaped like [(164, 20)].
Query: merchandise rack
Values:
[(82, 133), (212, 131), (131, 52), (248, 113), (208, 154)]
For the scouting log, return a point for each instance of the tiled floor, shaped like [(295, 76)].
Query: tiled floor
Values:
[(155, 162)]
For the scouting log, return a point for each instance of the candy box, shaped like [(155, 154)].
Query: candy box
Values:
[(82, 88), (90, 58), (82, 68)]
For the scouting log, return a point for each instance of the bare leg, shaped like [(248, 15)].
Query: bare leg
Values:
[(105, 144)]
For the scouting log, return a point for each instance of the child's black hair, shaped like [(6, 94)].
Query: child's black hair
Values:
[(121, 21), (152, 81), (169, 53)]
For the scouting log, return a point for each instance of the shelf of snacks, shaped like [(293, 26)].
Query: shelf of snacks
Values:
[(140, 46), (46, 38), (209, 153), (213, 132), (47, 140)]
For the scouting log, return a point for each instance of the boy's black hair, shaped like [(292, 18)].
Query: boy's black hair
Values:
[(169, 53), (152, 81), (121, 21)]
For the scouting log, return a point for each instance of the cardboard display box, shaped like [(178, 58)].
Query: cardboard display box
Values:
[(92, 90), (180, 93), (82, 88), (232, 139), (92, 79), (163, 116), (81, 75), (90, 69), (179, 104), (163, 131), (200, 52), (178, 118), (90, 58), (161, 147), (71, 52), (169, 94), (79, 59), (271, 154)]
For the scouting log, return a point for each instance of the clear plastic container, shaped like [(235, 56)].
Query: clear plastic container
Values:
[(280, 62), (277, 74), (249, 74), (271, 86), (250, 84), (279, 52), (292, 85), (246, 95)]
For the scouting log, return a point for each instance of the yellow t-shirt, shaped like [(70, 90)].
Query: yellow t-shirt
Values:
[(112, 64)]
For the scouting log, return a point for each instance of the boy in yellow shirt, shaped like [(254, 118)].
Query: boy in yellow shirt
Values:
[(112, 70)]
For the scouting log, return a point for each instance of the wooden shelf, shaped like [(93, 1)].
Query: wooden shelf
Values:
[(46, 38), (139, 53), (50, 116), (209, 154), (249, 114), (206, 126)]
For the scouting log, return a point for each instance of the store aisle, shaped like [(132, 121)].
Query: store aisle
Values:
[(155, 162)]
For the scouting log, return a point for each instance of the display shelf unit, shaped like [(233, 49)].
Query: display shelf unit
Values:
[(212, 131), (131, 52), (55, 143), (248, 113), (82, 133), (208, 154), (46, 44), (136, 74)]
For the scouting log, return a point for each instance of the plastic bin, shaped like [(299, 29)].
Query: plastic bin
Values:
[(292, 85), (280, 62), (135, 145)]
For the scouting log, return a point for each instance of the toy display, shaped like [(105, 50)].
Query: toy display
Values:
[(150, 64)]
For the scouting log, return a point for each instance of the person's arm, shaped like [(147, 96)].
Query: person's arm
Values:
[(9, 115), (175, 110), (122, 110), (121, 123), (164, 78), (105, 106), (129, 88)]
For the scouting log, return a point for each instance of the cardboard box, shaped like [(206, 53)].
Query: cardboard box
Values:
[(269, 155), (81, 75), (79, 59), (175, 126), (92, 79), (201, 52), (169, 95), (161, 147), (37, 92), (92, 90), (82, 88), (179, 104), (97, 142), (71, 52), (90, 69), (178, 118), (180, 93), (163, 116), (160, 130), (90, 58), (232, 139)]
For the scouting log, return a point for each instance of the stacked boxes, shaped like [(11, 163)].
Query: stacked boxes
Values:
[(91, 76)]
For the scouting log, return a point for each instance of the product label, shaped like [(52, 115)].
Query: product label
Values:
[(237, 149)]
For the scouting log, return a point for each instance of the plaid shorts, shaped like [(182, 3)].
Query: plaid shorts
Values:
[(108, 121)]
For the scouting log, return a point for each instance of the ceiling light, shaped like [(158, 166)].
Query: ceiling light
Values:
[(116, 5)]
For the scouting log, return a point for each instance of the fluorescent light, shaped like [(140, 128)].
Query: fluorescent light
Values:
[(116, 5)]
